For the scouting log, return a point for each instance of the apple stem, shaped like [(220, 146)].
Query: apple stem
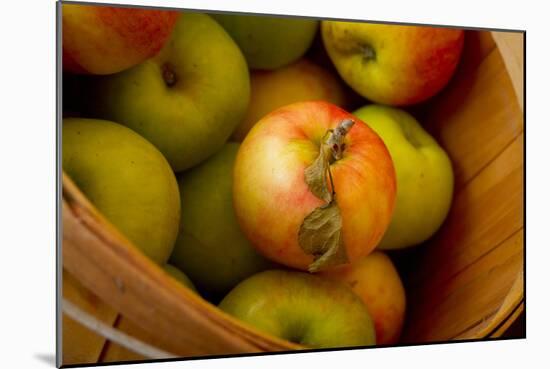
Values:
[(334, 146), (335, 140), (368, 52), (331, 149), (333, 192), (168, 75)]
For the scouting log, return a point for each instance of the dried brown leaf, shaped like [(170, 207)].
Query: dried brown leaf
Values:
[(316, 177), (320, 235)]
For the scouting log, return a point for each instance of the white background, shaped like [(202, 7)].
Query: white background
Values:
[(27, 182)]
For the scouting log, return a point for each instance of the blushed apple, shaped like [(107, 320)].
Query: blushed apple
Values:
[(106, 39), (269, 42), (302, 308), (279, 212), (424, 176), (299, 81), (393, 64), (376, 281), (187, 100), (210, 248), (127, 179)]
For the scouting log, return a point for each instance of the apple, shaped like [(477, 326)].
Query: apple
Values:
[(376, 281), (269, 42), (127, 179), (424, 176), (277, 208), (178, 275), (302, 308), (210, 248), (187, 100), (105, 39), (391, 64), (299, 81)]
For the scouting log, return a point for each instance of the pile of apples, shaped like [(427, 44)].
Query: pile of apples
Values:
[(267, 163)]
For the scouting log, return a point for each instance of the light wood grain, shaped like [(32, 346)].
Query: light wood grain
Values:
[(483, 133), (477, 116), (483, 214), (508, 321), (511, 47), (114, 352), (468, 299), (80, 345)]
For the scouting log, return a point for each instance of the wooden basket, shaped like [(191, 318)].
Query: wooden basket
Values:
[(465, 283)]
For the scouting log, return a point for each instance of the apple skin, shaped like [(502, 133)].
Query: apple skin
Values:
[(424, 176), (271, 197), (180, 276), (105, 40), (376, 281), (127, 179), (269, 42), (210, 248), (302, 308), (299, 81), (187, 100), (391, 64)]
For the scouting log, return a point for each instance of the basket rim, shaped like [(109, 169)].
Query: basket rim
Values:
[(78, 209)]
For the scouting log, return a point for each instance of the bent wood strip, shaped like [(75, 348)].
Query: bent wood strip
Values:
[(472, 299), (511, 308), (106, 263), (114, 352), (510, 46), (495, 325), (508, 322), (113, 334), (80, 345)]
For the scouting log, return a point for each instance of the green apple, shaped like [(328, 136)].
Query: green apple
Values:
[(211, 248), (187, 100), (424, 176), (303, 308), (269, 42), (179, 276), (127, 179)]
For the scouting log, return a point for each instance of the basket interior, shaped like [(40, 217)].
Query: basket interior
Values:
[(459, 279)]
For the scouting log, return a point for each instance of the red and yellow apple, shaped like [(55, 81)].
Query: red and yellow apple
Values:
[(376, 281), (391, 64), (296, 82), (271, 196), (105, 39)]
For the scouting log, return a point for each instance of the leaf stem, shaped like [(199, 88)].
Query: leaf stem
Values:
[(332, 191)]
